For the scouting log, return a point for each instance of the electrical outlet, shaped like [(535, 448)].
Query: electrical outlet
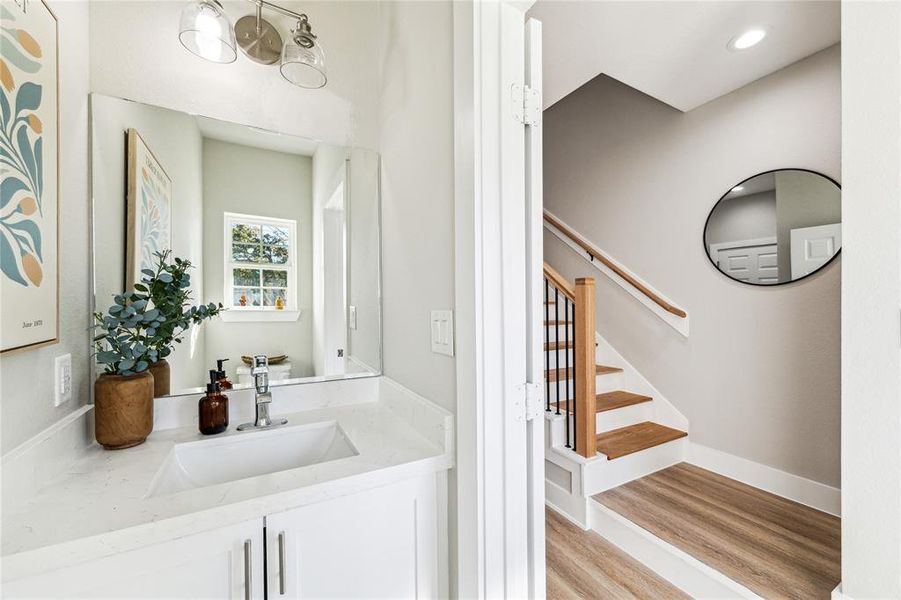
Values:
[(352, 317), (442, 327), (63, 379)]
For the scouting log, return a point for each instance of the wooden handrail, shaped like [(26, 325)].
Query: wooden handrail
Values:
[(560, 282), (596, 254)]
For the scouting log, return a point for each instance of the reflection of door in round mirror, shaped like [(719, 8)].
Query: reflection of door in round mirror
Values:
[(776, 227)]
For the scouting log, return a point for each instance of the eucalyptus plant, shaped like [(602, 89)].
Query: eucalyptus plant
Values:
[(141, 326), (168, 287)]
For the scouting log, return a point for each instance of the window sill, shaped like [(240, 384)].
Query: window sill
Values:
[(257, 316)]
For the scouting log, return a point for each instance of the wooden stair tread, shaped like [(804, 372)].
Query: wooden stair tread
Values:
[(635, 438), (557, 322), (611, 401), (618, 399), (561, 374)]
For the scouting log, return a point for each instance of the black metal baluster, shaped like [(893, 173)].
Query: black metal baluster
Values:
[(575, 380), (567, 371), (557, 346), (547, 349)]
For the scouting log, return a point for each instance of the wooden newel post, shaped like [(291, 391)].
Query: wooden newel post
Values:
[(585, 373)]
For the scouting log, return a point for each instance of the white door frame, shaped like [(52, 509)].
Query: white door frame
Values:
[(495, 557)]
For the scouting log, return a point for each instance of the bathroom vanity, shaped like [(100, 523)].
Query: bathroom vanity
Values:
[(347, 500)]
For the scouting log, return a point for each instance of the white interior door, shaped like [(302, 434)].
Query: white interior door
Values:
[(751, 261), (813, 247), (535, 304)]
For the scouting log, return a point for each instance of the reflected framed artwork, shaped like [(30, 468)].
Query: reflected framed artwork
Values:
[(29, 166), (149, 209)]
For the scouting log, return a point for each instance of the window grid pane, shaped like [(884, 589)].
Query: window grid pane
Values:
[(257, 245)]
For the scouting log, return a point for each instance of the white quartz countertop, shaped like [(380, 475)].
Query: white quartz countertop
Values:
[(100, 504)]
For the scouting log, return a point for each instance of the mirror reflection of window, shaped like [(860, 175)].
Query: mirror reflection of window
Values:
[(776, 227), (259, 253)]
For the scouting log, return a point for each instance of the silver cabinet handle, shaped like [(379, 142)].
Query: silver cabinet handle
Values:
[(248, 570), (281, 563)]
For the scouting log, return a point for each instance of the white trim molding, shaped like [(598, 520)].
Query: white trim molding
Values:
[(793, 487), (680, 324)]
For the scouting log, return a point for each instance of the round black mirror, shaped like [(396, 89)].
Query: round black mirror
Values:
[(776, 227)]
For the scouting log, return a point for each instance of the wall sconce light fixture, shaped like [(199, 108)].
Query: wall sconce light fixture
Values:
[(205, 30)]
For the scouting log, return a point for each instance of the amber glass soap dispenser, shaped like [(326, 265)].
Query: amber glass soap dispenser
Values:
[(213, 408)]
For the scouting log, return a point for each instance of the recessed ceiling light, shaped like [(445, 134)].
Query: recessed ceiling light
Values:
[(737, 189), (752, 37)]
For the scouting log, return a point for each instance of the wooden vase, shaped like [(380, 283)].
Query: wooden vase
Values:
[(123, 410), (161, 373)]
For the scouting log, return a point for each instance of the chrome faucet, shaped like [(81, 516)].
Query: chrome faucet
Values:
[(263, 396)]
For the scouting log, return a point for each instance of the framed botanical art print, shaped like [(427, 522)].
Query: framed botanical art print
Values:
[(149, 209), (29, 175)]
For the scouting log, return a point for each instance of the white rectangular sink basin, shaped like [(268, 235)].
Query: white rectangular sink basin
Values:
[(242, 455)]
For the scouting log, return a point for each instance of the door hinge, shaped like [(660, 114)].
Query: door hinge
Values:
[(531, 402), (526, 104)]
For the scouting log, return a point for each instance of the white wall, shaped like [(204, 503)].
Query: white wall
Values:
[(417, 145), (759, 375), (26, 378), (175, 141), (241, 179), (871, 290)]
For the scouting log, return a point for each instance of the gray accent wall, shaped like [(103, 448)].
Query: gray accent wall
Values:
[(759, 375)]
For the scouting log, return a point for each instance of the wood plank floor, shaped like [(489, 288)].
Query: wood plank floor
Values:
[(773, 546), (581, 564)]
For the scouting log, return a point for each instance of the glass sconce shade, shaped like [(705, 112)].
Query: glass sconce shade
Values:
[(303, 62), (205, 30)]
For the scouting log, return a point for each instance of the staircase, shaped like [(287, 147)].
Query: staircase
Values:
[(633, 430)]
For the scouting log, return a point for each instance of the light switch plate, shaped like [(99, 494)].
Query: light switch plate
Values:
[(352, 316), (62, 379), (442, 326)]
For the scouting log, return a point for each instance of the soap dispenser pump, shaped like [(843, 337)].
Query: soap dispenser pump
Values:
[(213, 408), (221, 377)]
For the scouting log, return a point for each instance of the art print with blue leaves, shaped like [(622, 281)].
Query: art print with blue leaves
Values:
[(149, 209), (29, 194)]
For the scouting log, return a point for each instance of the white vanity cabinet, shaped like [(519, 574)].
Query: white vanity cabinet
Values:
[(381, 543), (223, 563)]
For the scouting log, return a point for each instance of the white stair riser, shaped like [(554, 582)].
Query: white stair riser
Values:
[(627, 415), (602, 475), (609, 382), (604, 421)]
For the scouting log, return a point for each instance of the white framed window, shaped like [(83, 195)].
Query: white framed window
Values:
[(260, 268)]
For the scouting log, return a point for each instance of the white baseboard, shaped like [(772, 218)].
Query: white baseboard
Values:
[(838, 595), (794, 487), (676, 566)]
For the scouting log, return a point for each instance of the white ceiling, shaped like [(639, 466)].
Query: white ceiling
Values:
[(254, 137), (676, 51)]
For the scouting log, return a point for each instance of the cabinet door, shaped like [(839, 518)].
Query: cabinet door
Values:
[(382, 543), (204, 565)]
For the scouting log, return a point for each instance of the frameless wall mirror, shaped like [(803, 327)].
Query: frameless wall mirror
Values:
[(283, 231), (776, 227)]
